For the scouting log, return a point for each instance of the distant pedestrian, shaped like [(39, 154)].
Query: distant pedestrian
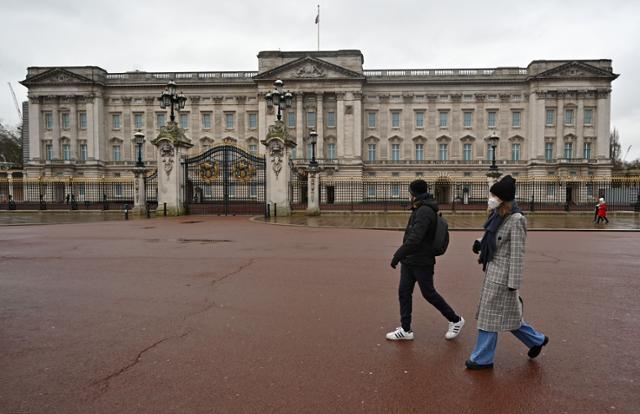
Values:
[(602, 211), (502, 257), (418, 260)]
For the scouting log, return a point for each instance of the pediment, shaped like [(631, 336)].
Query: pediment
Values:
[(57, 76), (575, 69), (309, 68)]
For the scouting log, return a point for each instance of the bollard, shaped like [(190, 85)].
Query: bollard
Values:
[(126, 211), (275, 209), (148, 212), (12, 204), (165, 209)]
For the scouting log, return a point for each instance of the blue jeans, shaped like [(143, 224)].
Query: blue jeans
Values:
[(485, 348)]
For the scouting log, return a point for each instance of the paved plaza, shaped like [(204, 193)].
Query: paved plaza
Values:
[(226, 315)]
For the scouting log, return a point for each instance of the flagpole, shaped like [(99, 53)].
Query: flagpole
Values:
[(318, 27)]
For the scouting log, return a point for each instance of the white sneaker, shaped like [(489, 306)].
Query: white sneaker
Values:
[(454, 329), (400, 335)]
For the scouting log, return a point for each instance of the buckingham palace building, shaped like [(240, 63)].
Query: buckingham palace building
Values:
[(552, 117)]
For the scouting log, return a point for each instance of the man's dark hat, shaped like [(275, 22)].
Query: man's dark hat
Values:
[(418, 187), (505, 189)]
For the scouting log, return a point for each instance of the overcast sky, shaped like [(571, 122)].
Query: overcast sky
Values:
[(191, 35)]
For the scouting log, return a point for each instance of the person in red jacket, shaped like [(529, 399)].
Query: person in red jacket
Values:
[(602, 211)]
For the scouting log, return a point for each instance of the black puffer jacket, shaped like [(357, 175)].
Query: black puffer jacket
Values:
[(417, 244)]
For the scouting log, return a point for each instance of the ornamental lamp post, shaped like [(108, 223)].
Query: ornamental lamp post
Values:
[(493, 141), (279, 98), (313, 140), (170, 98), (138, 138)]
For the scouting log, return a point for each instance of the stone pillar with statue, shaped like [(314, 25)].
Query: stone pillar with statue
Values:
[(171, 144), (279, 145)]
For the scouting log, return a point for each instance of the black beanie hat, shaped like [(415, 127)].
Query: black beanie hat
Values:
[(418, 187), (505, 189)]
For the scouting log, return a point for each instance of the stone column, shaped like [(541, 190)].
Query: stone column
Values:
[(171, 145), (320, 125), (342, 150), (262, 121), (313, 192), (300, 125), (560, 126), (57, 119), (278, 145), (139, 193), (603, 123), (536, 119), (356, 143), (35, 127), (127, 130)]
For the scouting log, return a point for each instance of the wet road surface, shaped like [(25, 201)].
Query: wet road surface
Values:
[(223, 315)]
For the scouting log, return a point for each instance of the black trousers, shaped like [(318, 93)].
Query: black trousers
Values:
[(409, 275)]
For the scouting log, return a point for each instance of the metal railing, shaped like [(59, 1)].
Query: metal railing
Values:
[(532, 194)]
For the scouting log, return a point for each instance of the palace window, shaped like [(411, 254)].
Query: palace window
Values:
[(82, 120), (420, 119), (83, 152), (253, 149), (420, 152), (138, 121), (468, 119), (491, 119), (489, 152), (160, 120), (311, 119), (331, 151), (568, 150), (548, 151), (568, 116), (444, 152), (372, 152), (66, 152), (587, 150), (206, 121), (395, 152), (184, 121), (515, 152), (48, 120), (331, 119), (515, 119), (395, 119), (444, 119), (229, 121), (116, 153), (551, 117), (371, 119), (115, 121), (467, 152), (253, 121), (588, 116), (291, 119), (65, 120)]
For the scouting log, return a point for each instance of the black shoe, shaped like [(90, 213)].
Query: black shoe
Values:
[(475, 366), (535, 350)]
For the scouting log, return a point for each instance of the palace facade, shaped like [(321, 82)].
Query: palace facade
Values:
[(551, 117)]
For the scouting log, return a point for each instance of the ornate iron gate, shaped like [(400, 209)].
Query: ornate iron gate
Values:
[(225, 180)]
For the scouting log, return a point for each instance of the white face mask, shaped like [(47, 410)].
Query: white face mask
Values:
[(493, 203)]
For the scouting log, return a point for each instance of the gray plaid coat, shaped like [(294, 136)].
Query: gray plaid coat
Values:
[(500, 309)]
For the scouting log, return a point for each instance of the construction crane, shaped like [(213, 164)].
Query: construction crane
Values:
[(626, 153), (15, 102)]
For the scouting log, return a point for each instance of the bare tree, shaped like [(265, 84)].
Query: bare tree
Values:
[(10, 145), (615, 149)]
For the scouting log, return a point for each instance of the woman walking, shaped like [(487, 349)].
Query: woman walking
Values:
[(502, 256), (601, 209)]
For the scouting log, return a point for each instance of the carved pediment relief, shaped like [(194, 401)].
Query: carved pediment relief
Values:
[(309, 68), (56, 76), (575, 70)]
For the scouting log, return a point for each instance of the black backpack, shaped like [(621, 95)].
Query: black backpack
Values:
[(441, 235)]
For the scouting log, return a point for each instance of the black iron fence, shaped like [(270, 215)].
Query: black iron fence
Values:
[(543, 194), (151, 190), (66, 194)]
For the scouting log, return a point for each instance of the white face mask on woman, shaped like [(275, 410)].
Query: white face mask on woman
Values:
[(493, 203)]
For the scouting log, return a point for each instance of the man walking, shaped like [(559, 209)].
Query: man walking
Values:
[(417, 264)]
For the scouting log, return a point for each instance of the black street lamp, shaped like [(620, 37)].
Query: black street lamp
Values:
[(138, 138), (279, 98), (170, 98), (313, 140), (493, 141)]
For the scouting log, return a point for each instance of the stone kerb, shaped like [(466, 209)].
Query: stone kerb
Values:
[(171, 145)]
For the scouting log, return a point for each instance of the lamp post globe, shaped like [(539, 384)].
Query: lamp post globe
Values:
[(279, 97), (138, 138), (493, 141), (171, 99), (313, 140)]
